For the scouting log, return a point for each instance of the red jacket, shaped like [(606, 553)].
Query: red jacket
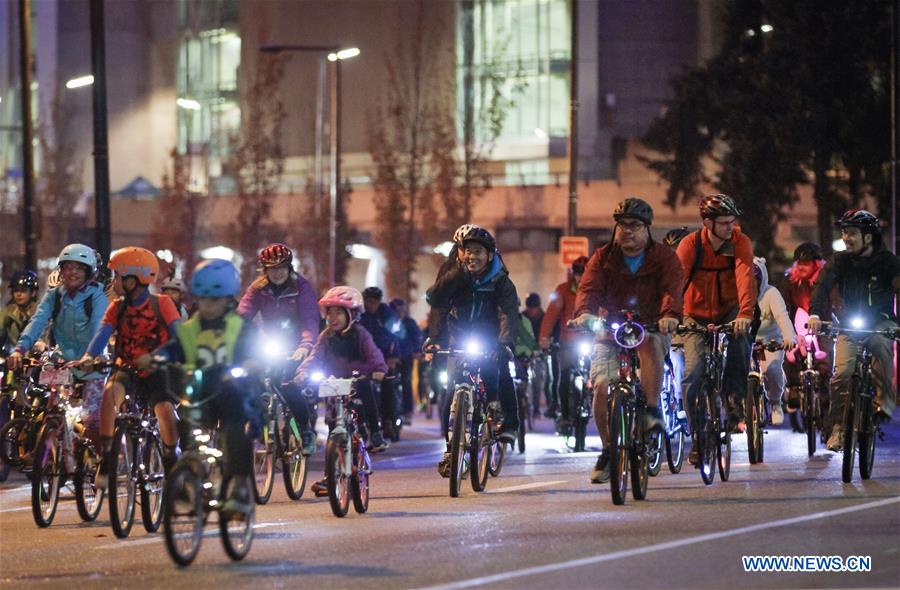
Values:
[(561, 309), (722, 281), (609, 285)]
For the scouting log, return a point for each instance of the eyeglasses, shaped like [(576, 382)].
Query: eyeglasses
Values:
[(632, 227)]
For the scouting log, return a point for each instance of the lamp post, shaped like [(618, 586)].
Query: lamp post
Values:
[(28, 206), (335, 56)]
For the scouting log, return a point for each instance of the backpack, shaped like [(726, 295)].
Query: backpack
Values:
[(154, 304), (698, 261)]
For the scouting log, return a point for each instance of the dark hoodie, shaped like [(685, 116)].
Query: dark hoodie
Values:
[(865, 286)]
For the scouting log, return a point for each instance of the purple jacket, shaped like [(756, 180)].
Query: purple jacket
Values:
[(342, 354), (293, 314)]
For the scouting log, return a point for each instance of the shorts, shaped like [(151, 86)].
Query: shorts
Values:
[(150, 389)]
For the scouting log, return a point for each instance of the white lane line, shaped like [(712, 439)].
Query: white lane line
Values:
[(574, 563), (433, 453), (211, 532), (527, 486), (17, 490), (15, 509)]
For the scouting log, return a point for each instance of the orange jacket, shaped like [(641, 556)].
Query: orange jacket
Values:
[(560, 309), (722, 281)]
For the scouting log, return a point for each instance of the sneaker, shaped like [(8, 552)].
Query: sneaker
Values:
[(320, 488), (309, 442), (552, 411), (444, 465), (377, 443), (737, 422), (653, 420), (600, 472), (239, 502), (836, 440), (777, 415)]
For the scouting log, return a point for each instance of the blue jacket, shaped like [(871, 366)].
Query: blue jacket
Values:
[(72, 331)]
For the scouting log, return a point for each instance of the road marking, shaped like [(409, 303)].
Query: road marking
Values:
[(17, 490), (15, 509), (575, 563), (527, 486), (210, 532), (376, 462)]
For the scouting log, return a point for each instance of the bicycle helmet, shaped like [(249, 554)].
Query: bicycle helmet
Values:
[(275, 255), (635, 208), (137, 262), (808, 251), (372, 293), (346, 297), (24, 279), (215, 278), (578, 265), (462, 231), (712, 206), (858, 218), (533, 300), (674, 237), (81, 254), (480, 236), (172, 283)]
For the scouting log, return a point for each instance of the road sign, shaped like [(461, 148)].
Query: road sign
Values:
[(570, 248)]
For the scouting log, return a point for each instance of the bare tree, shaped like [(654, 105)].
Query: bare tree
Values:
[(177, 223)]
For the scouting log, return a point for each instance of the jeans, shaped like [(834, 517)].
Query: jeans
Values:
[(882, 349)]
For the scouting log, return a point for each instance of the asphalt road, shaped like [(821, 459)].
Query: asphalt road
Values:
[(540, 524)]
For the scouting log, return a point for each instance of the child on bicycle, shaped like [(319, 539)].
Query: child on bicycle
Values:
[(345, 348)]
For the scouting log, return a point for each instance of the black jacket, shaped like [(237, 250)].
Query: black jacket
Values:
[(864, 285), (378, 326)]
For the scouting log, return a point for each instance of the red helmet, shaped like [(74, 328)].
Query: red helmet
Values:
[(275, 255)]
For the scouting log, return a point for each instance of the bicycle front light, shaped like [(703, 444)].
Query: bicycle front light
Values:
[(512, 370), (584, 347), (473, 347), (317, 376), (857, 323), (273, 349), (443, 378), (238, 372)]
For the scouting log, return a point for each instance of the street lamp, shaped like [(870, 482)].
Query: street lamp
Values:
[(335, 56)]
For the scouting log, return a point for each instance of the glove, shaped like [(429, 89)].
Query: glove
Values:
[(814, 324), (667, 325), (14, 361), (584, 321), (301, 377), (742, 326), (301, 353)]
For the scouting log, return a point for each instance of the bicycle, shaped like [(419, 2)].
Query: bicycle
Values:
[(474, 423), (756, 404), (710, 424), (632, 448), (196, 486), (670, 405), (859, 425), (28, 402), (813, 406), (520, 370)]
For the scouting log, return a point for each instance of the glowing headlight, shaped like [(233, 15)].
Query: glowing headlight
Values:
[(857, 323), (584, 348), (473, 347), (615, 327), (238, 372), (443, 377), (317, 376), (273, 349)]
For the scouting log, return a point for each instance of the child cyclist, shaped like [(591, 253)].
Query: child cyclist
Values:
[(344, 348), (218, 339)]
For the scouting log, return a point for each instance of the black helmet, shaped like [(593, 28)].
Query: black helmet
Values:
[(636, 208), (24, 279), (481, 236), (372, 293), (397, 302), (712, 206), (579, 264), (808, 251), (533, 300), (674, 237), (858, 218)]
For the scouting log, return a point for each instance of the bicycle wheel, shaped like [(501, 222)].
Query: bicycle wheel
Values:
[(810, 417), (359, 481), (88, 497), (707, 434), (338, 488), (236, 529), (520, 436), (723, 446), (866, 438), (480, 455), (294, 464), (458, 442), (851, 419), (674, 439), (656, 452), (754, 419), (47, 474), (14, 442), (184, 515), (122, 485), (153, 484), (580, 431), (619, 428), (264, 462), (639, 462)]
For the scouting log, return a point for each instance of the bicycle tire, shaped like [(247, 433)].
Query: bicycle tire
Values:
[(122, 486), (236, 533), (480, 455), (359, 481), (706, 435), (12, 445), (866, 438), (338, 488), (723, 446), (754, 419), (674, 439), (264, 448), (184, 515), (656, 452), (153, 486), (88, 497), (850, 420), (294, 465), (639, 462), (458, 442), (810, 418), (618, 446), (47, 473)]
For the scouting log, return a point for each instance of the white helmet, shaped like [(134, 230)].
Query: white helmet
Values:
[(462, 231), (79, 253), (172, 283)]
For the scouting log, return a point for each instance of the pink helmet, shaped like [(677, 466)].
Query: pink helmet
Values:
[(346, 297)]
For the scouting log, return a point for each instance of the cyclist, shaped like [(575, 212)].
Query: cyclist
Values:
[(867, 278), (717, 261), (141, 323), (631, 272), (174, 288), (560, 310), (409, 343), (775, 324), (474, 294), (217, 338), (343, 348), (377, 317), (22, 304), (285, 301), (540, 383)]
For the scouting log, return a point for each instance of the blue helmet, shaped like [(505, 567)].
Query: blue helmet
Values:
[(215, 278)]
